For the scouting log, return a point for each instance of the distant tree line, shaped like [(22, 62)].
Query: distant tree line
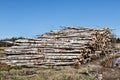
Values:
[(3, 42), (118, 40)]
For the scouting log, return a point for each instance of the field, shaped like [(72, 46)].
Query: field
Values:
[(90, 71), (66, 73)]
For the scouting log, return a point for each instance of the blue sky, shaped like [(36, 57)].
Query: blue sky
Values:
[(29, 18)]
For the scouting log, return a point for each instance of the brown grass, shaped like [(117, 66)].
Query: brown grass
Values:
[(4, 67), (61, 73), (108, 61)]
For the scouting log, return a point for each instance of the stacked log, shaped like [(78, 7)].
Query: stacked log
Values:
[(62, 47)]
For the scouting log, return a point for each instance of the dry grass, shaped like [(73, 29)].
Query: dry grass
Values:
[(61, 73), (109, 61), (4, 67)]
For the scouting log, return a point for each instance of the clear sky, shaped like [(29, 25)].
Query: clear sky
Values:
[(29, 18)]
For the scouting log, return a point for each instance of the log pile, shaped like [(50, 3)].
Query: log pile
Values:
[(61, 47)]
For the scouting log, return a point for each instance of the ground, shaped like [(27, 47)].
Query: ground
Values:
[(90, 71)]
